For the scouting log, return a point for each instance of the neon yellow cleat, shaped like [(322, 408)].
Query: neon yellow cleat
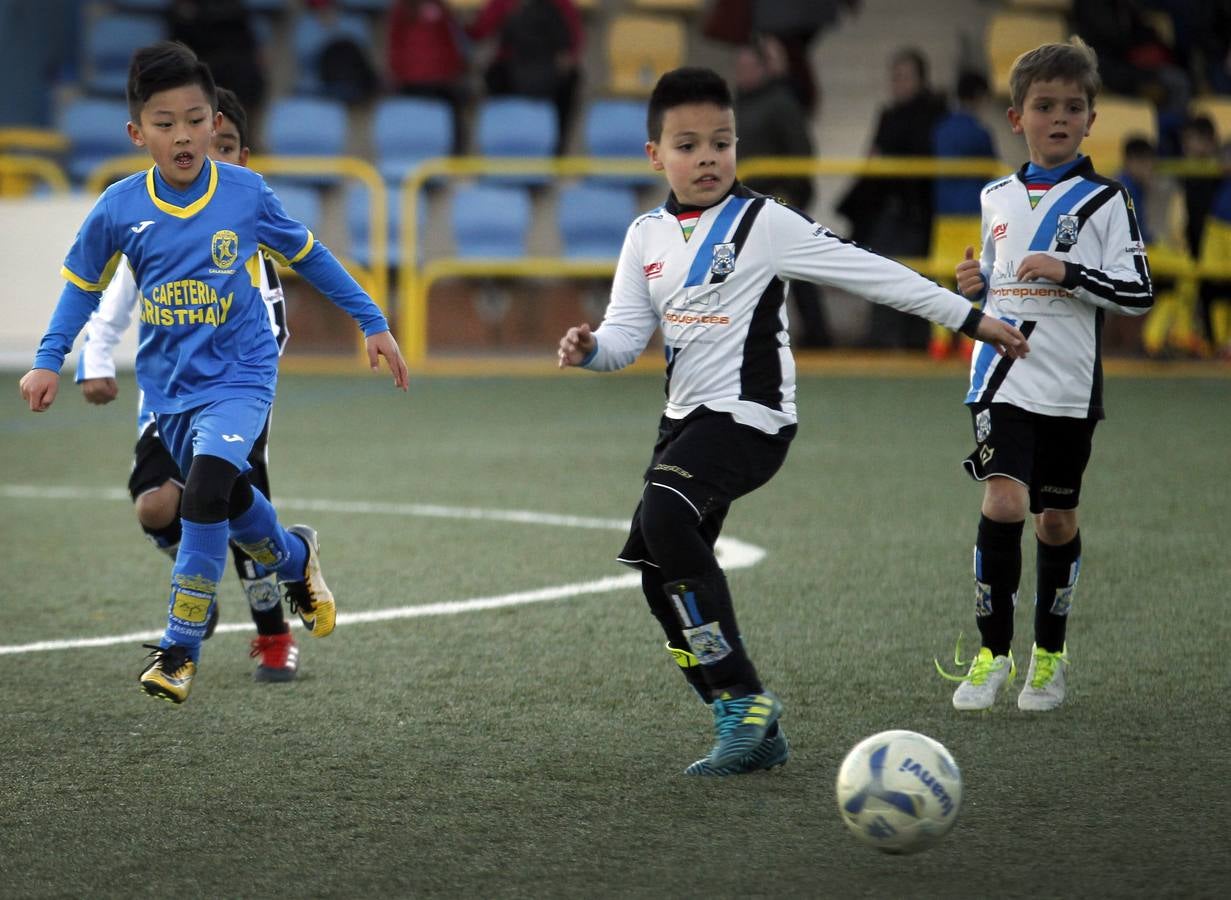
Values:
[(1044, 689)]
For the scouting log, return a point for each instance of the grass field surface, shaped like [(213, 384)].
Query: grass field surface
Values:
[(515, 749)]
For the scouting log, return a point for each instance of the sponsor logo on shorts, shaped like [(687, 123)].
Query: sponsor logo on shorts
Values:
[(983, 426), (985, 454), (664, 467), (1052, 489)]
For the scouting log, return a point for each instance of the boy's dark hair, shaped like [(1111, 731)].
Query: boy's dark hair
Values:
[(971, 86), (162, 67), (681, 86), (1138, 147), (1073, 60), (915, 57), (1201, 125), (229, 106)]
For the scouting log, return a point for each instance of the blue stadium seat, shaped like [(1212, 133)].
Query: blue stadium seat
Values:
[(518, 127), (301, 202), (490, 221), (309, 38), (593, 219), (408, 130), (616, 129), (156, 6), (306, 126), (359, 230), (366, 6), (109, 47), (95, 131)]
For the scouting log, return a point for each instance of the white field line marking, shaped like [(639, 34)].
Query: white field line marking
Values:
[(732, 553)]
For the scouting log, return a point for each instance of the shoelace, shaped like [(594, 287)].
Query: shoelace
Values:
[(297, 596), (1045, 663), (957, 661), (173, 658)]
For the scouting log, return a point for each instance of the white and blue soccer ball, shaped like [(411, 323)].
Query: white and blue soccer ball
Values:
[(899, 791)]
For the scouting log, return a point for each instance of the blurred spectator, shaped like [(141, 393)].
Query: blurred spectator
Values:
[(1134, 58), (1168, 327), (796, 24), (1215, 254), (962, 134), (1199, 143), (538, 52), (770, 122), (893, 216), (427, 56), (344, 65), (1212, 45), (221, 34)]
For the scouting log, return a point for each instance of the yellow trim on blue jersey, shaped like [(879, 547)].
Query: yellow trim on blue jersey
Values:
[(103, 280), (253, 265), (184, 212), (282, 260)]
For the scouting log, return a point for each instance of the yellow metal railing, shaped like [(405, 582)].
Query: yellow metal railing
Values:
[(16, 171), (374, 278)]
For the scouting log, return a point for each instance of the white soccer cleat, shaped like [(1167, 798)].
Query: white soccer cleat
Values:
[(1044, 689), (987, 675)]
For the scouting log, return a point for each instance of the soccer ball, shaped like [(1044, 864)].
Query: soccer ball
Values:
[(899, 791)]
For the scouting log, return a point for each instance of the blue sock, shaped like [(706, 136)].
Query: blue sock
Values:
[(199, 565), (258, 533)]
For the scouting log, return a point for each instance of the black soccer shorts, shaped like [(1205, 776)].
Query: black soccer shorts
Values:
[(710, 460), (1048, 454), (153, 465)]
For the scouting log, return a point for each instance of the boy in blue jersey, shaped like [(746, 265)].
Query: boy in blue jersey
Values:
[(156, 483), (192, 231), (1060, 248)]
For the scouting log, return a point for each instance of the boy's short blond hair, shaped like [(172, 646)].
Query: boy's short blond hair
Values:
[(1073, 60)]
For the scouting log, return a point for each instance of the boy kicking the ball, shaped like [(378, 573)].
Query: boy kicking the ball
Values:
[(712, 268), (1060, 249)]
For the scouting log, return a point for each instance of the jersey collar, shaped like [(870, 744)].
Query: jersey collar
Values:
[(183, 212), (1078, 167), (675, 207)]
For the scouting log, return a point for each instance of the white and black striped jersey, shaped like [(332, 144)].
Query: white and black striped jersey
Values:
[(108, 323), (720, 299), (1088, 222)]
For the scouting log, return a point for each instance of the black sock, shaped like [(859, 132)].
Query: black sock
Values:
[(167, 537), (660, 605), (707, 619), (998, 569), (1058, 568)]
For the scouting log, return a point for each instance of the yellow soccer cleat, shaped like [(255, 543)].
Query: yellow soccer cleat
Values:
[(311, 597), (169, 674)]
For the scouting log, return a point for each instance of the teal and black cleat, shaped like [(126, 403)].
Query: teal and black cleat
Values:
[(769, 754), (742, 724)]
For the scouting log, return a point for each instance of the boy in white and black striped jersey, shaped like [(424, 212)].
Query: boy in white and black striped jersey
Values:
[(712, 268), (1060, 247)]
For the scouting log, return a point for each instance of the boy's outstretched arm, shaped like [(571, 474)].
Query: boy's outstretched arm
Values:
[(576, 345), (383, 344)]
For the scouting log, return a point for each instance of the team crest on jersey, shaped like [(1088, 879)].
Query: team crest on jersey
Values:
[(224, 248), (724, 259), (1066, 229)]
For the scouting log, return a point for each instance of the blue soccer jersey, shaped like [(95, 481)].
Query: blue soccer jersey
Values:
[(195, 256)]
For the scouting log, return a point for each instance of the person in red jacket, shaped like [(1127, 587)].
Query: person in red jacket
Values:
[(427, 55)]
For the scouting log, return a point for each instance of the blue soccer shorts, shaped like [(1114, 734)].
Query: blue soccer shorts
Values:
[(228, 429)]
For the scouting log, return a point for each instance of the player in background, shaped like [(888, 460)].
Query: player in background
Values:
[(156, 483), (712, 268), (193, 231), (1060, 248)]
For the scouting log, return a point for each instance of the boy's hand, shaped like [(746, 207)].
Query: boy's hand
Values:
[(384, 345), (1040, 265), (575, 346), (39, 387), (99, 390), (1007, 340), (969, 277)]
